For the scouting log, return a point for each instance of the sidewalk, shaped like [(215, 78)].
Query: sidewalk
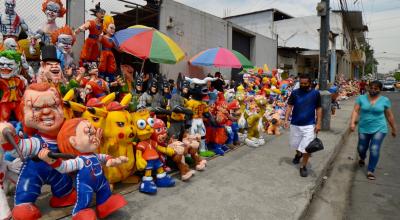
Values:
[(247, 183)]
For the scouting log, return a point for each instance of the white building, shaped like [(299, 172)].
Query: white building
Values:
[(298, 40)]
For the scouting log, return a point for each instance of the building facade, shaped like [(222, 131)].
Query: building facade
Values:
[(298, 40)]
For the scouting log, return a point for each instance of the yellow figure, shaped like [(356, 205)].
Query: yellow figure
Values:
[(118, 135), (96, 111), (70, 107), (147, 154), (255, 124)]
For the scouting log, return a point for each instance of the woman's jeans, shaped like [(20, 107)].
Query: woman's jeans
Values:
[(373, 142)]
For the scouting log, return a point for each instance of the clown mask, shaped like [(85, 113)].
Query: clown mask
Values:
[(52, 11), (8, 68), (64, 43)]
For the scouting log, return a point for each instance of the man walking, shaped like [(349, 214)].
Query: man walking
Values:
[(304, 105)]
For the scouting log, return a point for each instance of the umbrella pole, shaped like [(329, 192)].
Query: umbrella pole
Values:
[(141, 69)]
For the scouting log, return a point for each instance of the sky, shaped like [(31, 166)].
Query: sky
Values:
[(381, 16)]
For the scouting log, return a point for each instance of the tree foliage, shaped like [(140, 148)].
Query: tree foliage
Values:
[(371, 63), (397, 76)]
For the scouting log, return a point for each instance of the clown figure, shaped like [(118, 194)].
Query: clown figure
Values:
[(11, 44), (64, 39), (53, 9), (12, 85), (79, 137)]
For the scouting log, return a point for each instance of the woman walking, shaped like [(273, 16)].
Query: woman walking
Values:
[(373, 111)]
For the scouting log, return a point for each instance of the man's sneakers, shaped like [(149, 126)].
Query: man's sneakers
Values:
[(303, 172), (296, 159)]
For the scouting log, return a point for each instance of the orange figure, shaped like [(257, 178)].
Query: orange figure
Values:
[(90, 51), (108, 66)]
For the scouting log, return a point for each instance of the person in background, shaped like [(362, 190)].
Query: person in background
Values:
[(218, 84), (334, 90), (372, 111), (304, 105), (363, 86)]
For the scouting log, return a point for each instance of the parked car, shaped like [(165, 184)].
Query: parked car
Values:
[(389, 86)]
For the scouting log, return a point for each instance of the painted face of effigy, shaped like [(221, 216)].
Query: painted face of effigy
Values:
[(10, 44), (64, 43), (10, 7), (8, 68), (43, 110), (111, 29), (52, 11)]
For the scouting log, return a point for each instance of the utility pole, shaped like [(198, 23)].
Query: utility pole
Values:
[(323, 11)]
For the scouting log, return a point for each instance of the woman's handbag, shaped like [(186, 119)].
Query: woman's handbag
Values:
[(315, 145)]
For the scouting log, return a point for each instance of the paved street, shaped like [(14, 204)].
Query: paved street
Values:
[(379, 199), (246, 184)]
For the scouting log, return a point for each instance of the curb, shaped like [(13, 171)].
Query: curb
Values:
[(319, 182)]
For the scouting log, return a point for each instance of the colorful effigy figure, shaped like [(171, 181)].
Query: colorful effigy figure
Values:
[(9, 172), (91, 51), (93, 85), (81, 139), (108, 66), (12, 85), (50, 67), (42, 120), (11, 44), (53, 9), (11, 23), (200, 112), (147, 154), (64, 38)]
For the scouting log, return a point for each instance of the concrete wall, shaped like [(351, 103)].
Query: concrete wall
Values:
[(76, 18), (195, 31), (264, 51), (261, 23)]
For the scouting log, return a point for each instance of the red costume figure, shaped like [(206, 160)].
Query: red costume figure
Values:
[(12, 86), (108, 66), (94, 87), (90, 51)]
